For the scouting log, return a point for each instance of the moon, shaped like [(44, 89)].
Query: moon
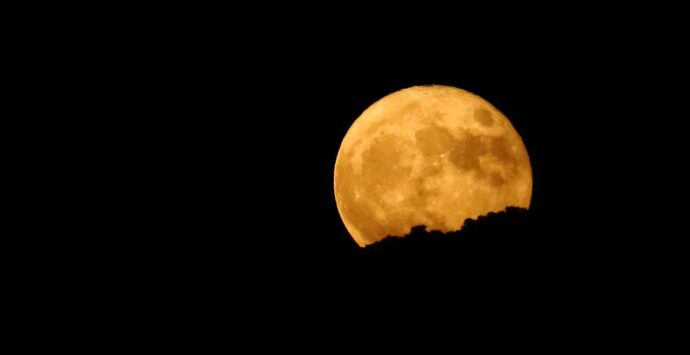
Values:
[(431, 155)]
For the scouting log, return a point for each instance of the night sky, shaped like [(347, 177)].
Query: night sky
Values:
[(253, 146), (200, 156)]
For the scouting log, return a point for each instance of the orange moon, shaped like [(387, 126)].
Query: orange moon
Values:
[(432, 155)]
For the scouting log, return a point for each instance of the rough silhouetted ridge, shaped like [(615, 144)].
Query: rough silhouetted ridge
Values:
[(502, 237)]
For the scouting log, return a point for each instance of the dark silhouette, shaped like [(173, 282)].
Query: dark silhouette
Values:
[(511, 221), (507, 243), (496, 232)]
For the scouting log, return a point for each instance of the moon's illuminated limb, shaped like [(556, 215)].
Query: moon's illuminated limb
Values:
[(432, 155)]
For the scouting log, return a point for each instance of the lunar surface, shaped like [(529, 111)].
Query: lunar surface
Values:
[(431, 155)]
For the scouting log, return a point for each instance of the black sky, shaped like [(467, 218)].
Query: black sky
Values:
[(271, 120), (251, 143), (199, 154)]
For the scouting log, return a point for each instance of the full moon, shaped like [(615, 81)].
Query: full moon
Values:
[(431, 155)]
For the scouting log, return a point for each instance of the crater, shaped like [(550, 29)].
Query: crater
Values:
[(384, 162), (466, 152), (500, 148), (484, 117), (434, 140), (410, 107), (496, 180)]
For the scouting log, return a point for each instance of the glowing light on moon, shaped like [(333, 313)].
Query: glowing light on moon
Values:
[(432, 155)]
